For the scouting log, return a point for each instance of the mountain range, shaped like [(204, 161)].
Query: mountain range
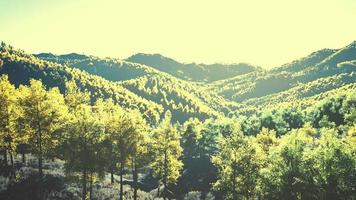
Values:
[(154, 83)]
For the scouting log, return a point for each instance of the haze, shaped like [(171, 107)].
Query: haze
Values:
[(265, 33)]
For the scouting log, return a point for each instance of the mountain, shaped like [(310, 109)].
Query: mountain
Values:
[(193, 71), (110, 68), (308, 61), (185, 99), (155, 83), (166, 82), (317, 73), (148, 89), (21, 67)]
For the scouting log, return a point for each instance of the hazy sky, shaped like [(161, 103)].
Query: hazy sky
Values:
[(262, 32)]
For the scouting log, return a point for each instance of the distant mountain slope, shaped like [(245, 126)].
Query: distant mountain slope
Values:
[(110, 68), (165, 85), (185, 99), (305, 91), (310, 60), (22, 67), (345, 54), (322, 64), (192, 71)]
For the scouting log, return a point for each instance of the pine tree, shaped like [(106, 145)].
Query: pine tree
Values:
[(167, 152), (119, 131), (9, 113), (44, 114), (238, 162), (105, 110), (82, 143), (139, 150)]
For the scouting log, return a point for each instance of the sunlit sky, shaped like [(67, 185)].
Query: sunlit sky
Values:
[(262, 32)]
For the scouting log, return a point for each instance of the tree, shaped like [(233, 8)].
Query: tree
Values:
[(121, 132), (139, 150), (328, 111), (274, 121), (332, 165), (284, 176), (250, 125), (294, 118), (190, 138), (106, 110), (167, 151), (9, 114), (82, 144), (125, 139), (196, 163), (266, 139), (44, 113), (238, 162)]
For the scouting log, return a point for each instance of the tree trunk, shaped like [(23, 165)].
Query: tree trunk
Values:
[(23, 158), (331, 193), (234, 184), (91, 187), (112, 165), (165, 175), (39, 143), (84, 184), (112, 177), (40, 168), (159, 185), (121, 181), (5, 157), (40, 176), (135, 178), (234, 189), (12, 166)]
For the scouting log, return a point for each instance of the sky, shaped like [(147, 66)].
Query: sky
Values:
[(265, 33)]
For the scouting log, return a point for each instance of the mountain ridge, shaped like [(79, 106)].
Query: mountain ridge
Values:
[(316, 74)]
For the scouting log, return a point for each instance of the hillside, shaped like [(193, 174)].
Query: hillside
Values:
[(22, 67), (110, 68), (193, 71), (312, 75), (183, 98), (165, 81), (253, 119)]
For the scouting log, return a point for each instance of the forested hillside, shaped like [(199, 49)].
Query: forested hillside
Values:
[(193, 71), (184, 99), (82, 127), (22, 67), (317, 73)]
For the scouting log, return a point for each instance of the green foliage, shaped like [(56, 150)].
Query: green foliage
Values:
[(192, 71), (22, 67), (44, 114), (287, 133), (332, 165), (10, 113), (167, 152), (238, 162)]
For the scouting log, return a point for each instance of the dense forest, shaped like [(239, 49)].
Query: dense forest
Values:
[(149, 127)]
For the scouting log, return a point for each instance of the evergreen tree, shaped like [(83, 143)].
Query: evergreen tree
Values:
[(82, 145), (167, 153), (44, 113), (238, 162), (9, 113), (121, 132), (140, 142), (331, 164)]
